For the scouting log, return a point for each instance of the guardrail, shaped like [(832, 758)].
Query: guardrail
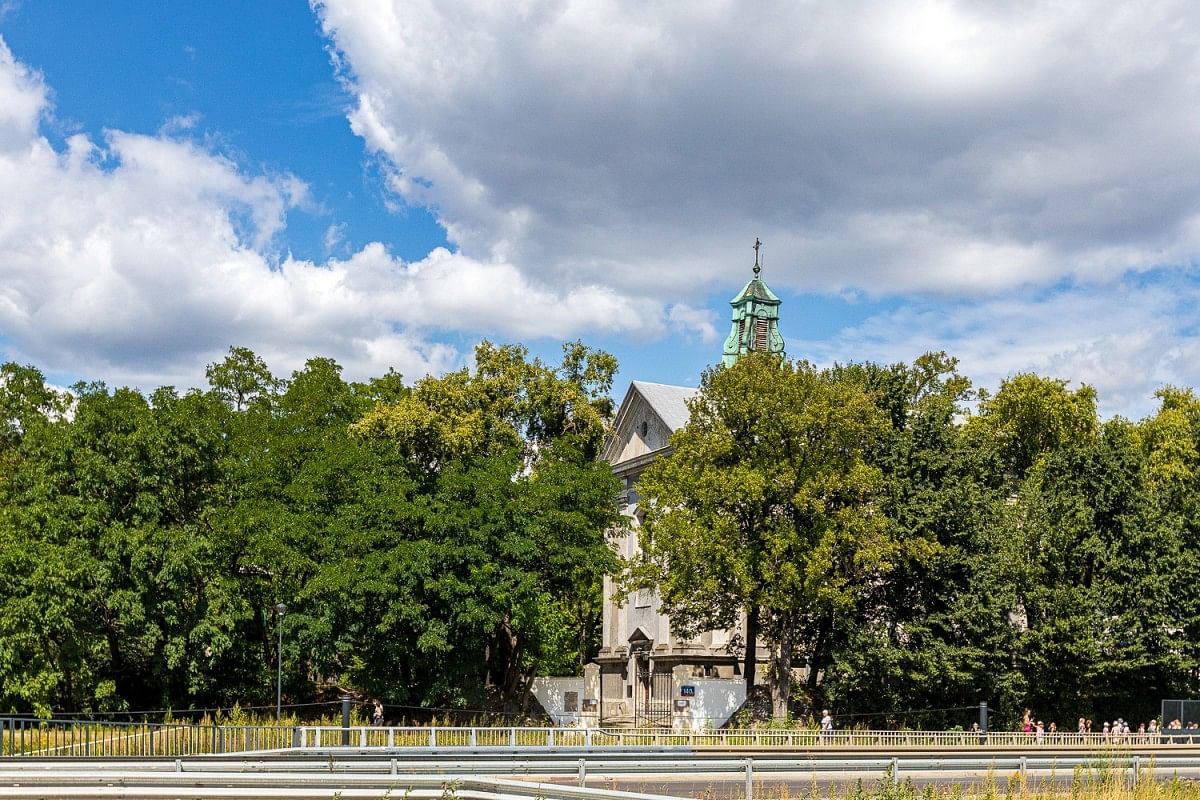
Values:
[(757, 777), (231, 785)]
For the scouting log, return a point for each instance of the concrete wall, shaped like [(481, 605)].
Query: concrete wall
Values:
[(715, 701), (551, 693)]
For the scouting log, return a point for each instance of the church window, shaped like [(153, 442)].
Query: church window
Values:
[(741, 330), (761, 328), (645, 429)]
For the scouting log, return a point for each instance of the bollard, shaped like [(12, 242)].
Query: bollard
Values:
[(895, 770), (749, 778), (1024, 767), (1136, 767), (582, 773), (345, 720)]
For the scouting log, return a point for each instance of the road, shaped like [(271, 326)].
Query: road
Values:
[(559, 772)]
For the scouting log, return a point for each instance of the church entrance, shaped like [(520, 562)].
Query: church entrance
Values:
[(652, 697)]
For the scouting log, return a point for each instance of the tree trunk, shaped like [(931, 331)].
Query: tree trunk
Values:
[(816, 661), (781, 674), (750, 664)]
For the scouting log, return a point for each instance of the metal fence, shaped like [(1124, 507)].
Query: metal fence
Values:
[(333, 736), (74, 738), (1182, 712), (35, 737)]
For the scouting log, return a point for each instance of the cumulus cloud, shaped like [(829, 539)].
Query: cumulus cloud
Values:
[(139, 258), (1010, 168), (935, 145), (1126, 342)]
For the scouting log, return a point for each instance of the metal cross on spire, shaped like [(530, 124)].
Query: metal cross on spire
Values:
[(757, 245)]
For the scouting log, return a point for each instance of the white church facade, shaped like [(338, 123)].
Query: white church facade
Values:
[(645, 674)]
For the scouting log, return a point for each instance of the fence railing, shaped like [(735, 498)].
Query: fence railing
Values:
[(333, 736), (76, 738)]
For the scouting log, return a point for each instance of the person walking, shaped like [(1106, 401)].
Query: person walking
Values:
[(826, 726), (377, 714)]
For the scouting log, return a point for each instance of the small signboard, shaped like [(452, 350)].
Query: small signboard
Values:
[(682, 705), (589, 706), (687, 691)]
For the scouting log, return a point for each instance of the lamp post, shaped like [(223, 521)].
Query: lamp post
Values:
[(280, 610)]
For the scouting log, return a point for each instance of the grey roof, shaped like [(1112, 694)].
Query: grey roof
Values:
[(669, 402)]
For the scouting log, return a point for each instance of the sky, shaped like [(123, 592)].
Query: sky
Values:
[(386, 183)]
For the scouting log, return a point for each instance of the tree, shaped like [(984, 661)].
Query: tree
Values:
[(768, 504), (508, 521), (923, 634)]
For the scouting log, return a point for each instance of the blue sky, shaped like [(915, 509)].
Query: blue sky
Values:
[(386, 183)]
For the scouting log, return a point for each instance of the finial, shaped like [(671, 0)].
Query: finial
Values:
[(757, 245)]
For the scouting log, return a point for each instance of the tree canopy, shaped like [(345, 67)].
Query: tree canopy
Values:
[(435, 544), (897, 538)]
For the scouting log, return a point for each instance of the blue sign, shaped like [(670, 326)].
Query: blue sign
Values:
[(687, 691)]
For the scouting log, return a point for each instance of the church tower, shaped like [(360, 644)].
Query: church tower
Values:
[(755, 319)]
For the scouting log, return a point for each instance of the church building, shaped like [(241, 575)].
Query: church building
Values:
[(645, 674)]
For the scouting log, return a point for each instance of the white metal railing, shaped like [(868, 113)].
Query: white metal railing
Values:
[(470, 737)]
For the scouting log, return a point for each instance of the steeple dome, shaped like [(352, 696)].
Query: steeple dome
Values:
[(755, 325)]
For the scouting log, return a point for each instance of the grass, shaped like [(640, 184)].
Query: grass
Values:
[(1100, 782)]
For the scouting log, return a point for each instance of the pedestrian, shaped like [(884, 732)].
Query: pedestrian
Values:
[(1040, 732), (377, 715), (826, 726)]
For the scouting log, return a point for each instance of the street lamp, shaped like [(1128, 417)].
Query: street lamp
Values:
[(280, 610)]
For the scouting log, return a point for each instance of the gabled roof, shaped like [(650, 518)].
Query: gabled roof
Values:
[(669, 402)]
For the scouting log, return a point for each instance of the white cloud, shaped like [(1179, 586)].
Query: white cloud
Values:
[(946, 146), (1126, 343), (23, 97), (1009, 169), (140, 258)]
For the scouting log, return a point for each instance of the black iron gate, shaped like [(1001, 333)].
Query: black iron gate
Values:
[(652, 699)]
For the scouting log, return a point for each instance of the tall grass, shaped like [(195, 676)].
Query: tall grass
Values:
[(1100, 782)]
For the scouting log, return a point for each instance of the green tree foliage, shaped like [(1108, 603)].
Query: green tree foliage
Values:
[(769, 504), (924, 635), (427, 540), (509, 531), (895, 536)]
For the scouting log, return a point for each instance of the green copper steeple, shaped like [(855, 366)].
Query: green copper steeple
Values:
[(755, 319)]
